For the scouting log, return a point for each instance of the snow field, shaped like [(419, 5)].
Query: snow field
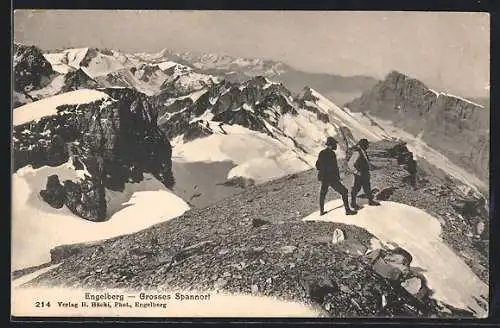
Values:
[(48, 106), (416, 231), (37, 227)]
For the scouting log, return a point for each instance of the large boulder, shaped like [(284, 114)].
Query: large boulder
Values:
[(53, 193), (86, 199), (417, 287), (393, 264), (318, 287), (352, 246)]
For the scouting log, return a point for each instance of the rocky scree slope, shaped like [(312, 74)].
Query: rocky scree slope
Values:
[(112, 142), (456, 127), (256, 243)]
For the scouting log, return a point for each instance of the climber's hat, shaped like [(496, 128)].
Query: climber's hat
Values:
[(330, 141), (363, 142)]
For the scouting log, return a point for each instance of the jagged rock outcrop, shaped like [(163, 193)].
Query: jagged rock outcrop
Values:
[(92, 53), (306, 101), (35, 78), (31, 69), (54, 193), (111, 141), (255, 104), (454, 126), (78, 79)]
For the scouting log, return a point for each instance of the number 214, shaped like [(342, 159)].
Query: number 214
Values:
[(42, 304)]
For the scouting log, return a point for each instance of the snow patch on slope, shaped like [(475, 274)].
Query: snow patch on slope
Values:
[(75, 56), (37, 227), (166, 65), (58, 62), (343, 118), (452, 281), (307, 130), (103, 64), (48, 106), (67, 60), (256, 155)]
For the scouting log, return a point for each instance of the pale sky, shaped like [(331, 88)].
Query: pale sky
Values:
[(447, 51)]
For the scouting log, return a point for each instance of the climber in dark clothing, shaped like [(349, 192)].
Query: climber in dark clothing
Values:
[(328, 174), (359, 164)]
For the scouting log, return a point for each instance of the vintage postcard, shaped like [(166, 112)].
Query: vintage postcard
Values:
[(250, 164)]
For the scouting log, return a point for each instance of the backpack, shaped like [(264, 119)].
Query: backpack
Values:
[(348, 155)]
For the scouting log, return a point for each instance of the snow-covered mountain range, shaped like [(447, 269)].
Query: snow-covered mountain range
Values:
[(107, 143), (95, 123), (237, 69)]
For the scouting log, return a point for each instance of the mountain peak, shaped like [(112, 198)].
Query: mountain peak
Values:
[(395, 74), (402, 80), (445, 121), (31, 69)]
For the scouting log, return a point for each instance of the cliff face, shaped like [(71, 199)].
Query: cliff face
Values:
[(111, 142), (456, 127)]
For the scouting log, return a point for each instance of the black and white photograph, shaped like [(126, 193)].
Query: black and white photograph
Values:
[(214, 163)]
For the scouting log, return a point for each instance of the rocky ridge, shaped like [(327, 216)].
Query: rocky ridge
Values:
[(257, 104), (249, 105), (35, 76), (78, 79), (253, 243)]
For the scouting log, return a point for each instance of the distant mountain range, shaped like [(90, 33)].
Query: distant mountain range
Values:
[(338, 88), (236, 69)]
